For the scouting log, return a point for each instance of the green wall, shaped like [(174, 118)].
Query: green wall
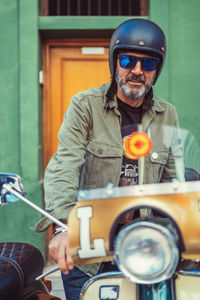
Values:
[(20, 116), (9, 87), (21, 124), (185, 61), (179, 82)]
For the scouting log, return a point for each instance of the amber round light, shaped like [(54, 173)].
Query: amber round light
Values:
[(139, 144)]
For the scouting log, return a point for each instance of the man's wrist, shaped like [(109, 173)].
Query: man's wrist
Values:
[(59, 229)]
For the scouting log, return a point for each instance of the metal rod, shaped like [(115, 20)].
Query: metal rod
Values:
[(143, 7), (129, 7), (109, 7), (68, 7), (119, 7), (79, 7), (47, 273), (42, 211), (58, 8), (89, 7), (99, 7), (45, 8)]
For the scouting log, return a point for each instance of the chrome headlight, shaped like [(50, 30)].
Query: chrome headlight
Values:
[(146, 252)]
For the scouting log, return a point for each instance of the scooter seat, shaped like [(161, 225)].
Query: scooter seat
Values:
[(20, 264)]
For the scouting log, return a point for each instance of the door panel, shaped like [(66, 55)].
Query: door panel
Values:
[(67, 71)]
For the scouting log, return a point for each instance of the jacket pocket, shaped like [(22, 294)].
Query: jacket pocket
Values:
[(103, 164), (158, 160), (100, 149)]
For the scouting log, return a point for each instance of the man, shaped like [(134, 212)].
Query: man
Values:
[(92, 150)]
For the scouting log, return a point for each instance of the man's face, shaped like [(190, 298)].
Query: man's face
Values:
[(134, 83)]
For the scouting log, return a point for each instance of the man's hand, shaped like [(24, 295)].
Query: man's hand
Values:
[(59, 252)]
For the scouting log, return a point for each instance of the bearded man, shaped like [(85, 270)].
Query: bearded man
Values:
[(92, 151)]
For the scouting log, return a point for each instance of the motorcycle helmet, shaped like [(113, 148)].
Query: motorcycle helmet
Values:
[(137, 35)]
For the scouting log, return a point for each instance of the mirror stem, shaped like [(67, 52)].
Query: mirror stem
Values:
[(42, 211)]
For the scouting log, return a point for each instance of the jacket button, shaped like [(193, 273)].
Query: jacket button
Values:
[(100, 151), (154, 155)]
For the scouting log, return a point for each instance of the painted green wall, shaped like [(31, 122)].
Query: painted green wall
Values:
[(19, 124), (180, 84), (9, 90), (21, 102), (185, 61)]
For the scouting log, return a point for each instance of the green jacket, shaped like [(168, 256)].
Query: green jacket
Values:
[(90, 150)]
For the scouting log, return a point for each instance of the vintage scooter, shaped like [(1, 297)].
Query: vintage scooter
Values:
[(20, 263), (158, 252)]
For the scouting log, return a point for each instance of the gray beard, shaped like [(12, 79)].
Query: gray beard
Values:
[(136, 92)]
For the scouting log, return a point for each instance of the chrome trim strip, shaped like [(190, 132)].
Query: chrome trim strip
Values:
[(140, 190), (189, 273), (97, 277)]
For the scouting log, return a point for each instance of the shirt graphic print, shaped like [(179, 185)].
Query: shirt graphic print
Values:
[(131, 117)]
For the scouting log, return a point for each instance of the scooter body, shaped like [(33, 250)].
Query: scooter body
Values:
[(91, 241), (157, 252), (20, 263), (115, 286)]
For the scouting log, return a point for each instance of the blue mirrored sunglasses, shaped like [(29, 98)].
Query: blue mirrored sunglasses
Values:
[(147, 63)]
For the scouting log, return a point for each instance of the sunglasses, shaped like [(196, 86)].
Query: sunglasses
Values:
[(129, 62)]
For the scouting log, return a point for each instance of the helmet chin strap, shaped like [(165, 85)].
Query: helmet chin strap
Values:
[(148, 100), (112, 90)]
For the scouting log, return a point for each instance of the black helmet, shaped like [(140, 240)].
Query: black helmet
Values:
[(137, 35)]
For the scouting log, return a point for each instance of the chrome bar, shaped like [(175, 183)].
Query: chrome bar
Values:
[(99, 7), (129, 7), (58, 8), (119, 8), (190, 272), (89, 8), (78, 7), (68, 7), (109, 7), (40, 210), (47, 273)]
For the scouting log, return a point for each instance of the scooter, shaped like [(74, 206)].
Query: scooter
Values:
[(157, 253), (20, 263)]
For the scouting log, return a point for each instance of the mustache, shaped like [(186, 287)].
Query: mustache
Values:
[(135, 78)]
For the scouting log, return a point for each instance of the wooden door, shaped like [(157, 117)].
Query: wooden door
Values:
[(69, 67)]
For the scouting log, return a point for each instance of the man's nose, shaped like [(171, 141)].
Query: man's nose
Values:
[(138, 69)]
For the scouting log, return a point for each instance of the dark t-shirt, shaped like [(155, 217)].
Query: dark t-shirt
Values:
[(131, 117)]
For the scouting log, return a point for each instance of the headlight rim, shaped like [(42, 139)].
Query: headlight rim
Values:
[(166, 274)]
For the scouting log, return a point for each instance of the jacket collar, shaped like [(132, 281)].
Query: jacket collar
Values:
[(158, 105)]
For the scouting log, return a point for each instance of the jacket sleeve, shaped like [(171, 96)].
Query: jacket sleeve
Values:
[(61, 180)]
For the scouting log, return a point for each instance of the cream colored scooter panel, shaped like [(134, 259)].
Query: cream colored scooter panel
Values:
[(113, 285), (187, 288), (109, 286)]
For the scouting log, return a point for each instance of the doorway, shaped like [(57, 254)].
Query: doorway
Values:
[(70, 66)]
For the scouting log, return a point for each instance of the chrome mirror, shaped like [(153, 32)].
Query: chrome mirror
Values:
[(14, 181), (12, 190)]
